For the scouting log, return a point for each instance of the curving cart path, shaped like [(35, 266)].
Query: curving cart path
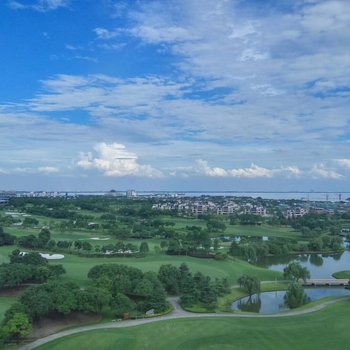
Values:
[(178, 312)]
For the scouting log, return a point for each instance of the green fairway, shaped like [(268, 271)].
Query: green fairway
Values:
[(326, 329), (240, 230), (264, 230), (78, 267)]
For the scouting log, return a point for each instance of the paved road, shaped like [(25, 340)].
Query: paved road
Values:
[(177, 313)]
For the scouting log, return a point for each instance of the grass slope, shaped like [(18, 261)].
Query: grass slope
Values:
[(326, 329)]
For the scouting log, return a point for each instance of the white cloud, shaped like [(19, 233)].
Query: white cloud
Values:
[(105, 34), (48, 170), (320, 171), (155, 35), (114, 160), (244, 86), (345, 163), (39, 5), (254, 171)]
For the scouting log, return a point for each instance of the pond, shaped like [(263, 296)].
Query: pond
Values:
[(273, 302), (319, 265)]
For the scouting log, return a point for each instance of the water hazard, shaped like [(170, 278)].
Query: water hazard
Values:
[(320, 266), (273, 302)]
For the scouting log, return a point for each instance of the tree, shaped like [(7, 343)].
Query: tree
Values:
[(44, 236), (144, 288), (157, 301), (295, 296), (30, 222), (92, 299), (77, 245), (37, 302), (28, 241), (250, 284), (31, 258), (169, 275), (14, 309), (294, 271), (174, 247), (5, 238), (164, 245), (86, 246), (17, 327), (122, 304), (144, 248), (216, 244), (51, 244)]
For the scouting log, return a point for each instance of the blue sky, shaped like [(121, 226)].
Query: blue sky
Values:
[(175, 95)]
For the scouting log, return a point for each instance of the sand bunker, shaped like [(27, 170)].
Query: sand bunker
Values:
[(48, 256), (99, 239), (52, 256)]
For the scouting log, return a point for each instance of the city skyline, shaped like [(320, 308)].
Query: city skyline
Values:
[(175, 95)]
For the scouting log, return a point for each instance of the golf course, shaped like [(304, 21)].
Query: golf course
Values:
[(324, 329), (224, 250)]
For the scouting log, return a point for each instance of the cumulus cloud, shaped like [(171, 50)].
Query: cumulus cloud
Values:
[(254, 171), (320, 171), (39, 5), (345, 163), (244, 85), (114, 160)]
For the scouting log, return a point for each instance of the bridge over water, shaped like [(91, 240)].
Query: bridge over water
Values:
[(331, 282)]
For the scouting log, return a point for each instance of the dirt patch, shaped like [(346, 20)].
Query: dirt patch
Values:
[(12, 292), (46, 326)]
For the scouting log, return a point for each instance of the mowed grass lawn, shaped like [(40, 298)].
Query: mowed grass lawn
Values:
[(325, 329), (78, 267), (240, 230), (263, 230)]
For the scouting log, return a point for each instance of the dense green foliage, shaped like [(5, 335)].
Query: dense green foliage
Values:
[(24, 268), (193, 288), (5, 238), (139, 290), (15, 328), (52, 298), (62, 297)]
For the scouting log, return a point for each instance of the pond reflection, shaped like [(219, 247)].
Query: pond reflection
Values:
[(253, 304), (316, 259), (273, 302), (319, 265)]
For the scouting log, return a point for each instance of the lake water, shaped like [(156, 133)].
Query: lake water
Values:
[(319, 265), (273, 302)]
